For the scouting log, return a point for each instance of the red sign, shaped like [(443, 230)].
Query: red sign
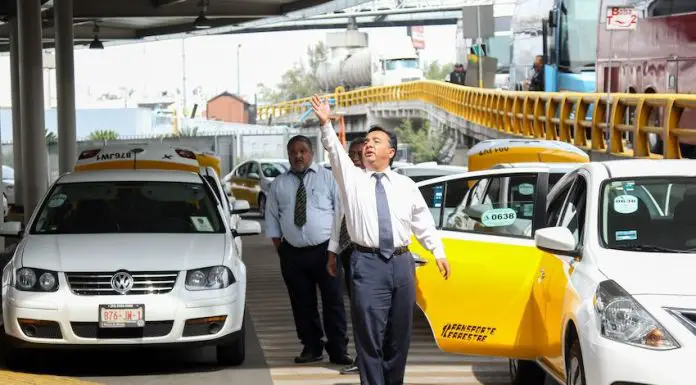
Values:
[(418, 37)]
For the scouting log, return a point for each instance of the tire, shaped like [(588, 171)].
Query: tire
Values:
[(575, 367), (233, 353), (523, 372), (262, 206)]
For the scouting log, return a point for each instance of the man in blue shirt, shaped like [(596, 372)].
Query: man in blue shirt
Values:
[(299, 216)]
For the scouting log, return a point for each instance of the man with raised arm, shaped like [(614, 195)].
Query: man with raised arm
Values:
[(382, 208)]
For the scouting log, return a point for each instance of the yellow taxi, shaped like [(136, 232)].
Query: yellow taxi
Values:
[(492, 303)]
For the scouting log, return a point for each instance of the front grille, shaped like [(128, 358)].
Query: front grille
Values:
[(151, 329), (155, 282)]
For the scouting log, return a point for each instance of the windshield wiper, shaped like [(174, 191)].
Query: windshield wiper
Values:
[(650, 248)]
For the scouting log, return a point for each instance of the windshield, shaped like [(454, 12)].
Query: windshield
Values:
[(128, 207), (401, 63), (578, 28), (272, 170), (649, 214)]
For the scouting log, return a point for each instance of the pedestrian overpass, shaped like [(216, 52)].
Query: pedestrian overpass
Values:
[(607, 126)]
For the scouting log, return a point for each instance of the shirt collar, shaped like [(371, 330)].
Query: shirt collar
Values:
[(387, 173), (312, 167)]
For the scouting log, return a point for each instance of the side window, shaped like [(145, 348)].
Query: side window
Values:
[(433, 195), (253, 168), (671, 7), (242, 170), (553, 212), (574, 211), (507, 208)]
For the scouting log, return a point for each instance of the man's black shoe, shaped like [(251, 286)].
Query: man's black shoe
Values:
[(350, 369), (343, 359), (309, 355)]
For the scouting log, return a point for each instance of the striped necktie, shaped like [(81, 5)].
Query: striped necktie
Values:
[(344, 239), (300, 202)]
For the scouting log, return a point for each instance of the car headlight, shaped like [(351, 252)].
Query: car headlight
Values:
[(623, 319), (30, 279), (209, 278)]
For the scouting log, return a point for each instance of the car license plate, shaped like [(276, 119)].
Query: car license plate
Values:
[(121, 316)]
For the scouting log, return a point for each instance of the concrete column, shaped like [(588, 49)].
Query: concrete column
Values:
[(16, 113), (34, 157), (65, 79)]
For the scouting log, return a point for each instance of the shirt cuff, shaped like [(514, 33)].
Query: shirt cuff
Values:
[(333, 246), (439, 253)]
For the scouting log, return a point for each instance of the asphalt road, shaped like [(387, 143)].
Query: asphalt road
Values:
[(271, 345)]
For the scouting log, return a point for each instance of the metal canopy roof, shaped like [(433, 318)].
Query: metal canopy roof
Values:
[(143, 19)]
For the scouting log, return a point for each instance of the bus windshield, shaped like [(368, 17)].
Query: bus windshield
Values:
[(578, 34)]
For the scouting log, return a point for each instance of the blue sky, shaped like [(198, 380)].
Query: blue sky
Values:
[(211, 61)]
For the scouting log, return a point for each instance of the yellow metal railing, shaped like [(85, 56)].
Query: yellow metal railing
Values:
[(540, 115)]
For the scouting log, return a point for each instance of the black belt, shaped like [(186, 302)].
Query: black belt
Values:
[(375, 250)]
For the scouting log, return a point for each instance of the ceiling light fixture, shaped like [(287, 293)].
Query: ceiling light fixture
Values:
[(96, 43), (202, 22)]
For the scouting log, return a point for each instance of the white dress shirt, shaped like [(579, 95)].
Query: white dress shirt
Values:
[(335, 238), (409, 212)]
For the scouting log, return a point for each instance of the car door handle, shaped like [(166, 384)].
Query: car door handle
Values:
[(419, 260)]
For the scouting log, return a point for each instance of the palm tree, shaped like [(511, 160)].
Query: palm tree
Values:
[(51, 137), (103, 135)]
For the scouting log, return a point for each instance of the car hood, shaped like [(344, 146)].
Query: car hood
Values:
[(650, 273), (111, 252)]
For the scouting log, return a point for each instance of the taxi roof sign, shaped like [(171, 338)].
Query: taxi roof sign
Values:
[(488, 153), (137, 157)]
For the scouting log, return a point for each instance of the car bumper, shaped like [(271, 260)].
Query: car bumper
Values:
[(609, 363), (179, 317)]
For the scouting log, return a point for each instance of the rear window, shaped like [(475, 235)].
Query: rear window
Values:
[(129, 207)]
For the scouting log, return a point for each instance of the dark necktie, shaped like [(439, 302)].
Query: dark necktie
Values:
[(300, 202), (344, 239), (386, 237)]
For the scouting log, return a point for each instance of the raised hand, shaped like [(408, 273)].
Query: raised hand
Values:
[(321, 109)]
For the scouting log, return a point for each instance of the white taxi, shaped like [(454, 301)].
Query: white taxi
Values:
[(600, 292), (131, 249)]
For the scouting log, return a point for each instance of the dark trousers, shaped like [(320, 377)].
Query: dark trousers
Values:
[(303, 270), (345, 261), (382, 303)]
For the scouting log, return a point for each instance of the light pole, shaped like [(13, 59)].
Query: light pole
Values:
[(238, 83)]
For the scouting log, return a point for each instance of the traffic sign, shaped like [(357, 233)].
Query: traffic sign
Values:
[(622, 18)]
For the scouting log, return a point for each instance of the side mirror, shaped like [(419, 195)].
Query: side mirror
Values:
[(253, 175), (556, 240), (12, 229), (475, 212), (246, 227), (240, 207)]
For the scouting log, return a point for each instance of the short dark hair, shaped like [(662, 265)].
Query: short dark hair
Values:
[(393, 142), (300, 138), (355, 141)]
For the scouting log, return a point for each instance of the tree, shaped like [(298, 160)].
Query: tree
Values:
[(101, 135), (436, 71), (298, 82), (51, 137), (425, 143)]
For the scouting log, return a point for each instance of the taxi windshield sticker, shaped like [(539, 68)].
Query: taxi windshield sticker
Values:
[(526, 189), (57, 200), (499, 217), (437, 196), (625, 204), (202, 224), (628, 235)]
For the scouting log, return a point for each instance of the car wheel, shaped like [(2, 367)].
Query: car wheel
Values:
[(262, 206), (523, 372), (575, 370), (233, 353)]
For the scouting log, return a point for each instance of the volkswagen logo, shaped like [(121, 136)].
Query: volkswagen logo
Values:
[(122, 282)]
